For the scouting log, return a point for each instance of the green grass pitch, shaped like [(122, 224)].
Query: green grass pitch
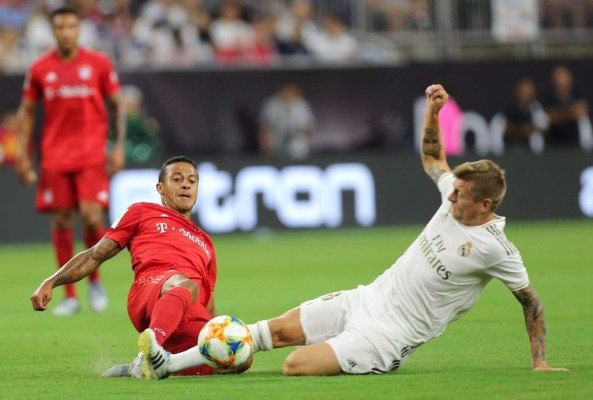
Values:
[(485, 355)]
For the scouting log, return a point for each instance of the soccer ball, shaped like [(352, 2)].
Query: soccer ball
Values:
[(225, 342)]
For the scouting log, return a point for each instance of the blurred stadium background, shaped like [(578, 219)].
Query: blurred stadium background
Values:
[(199, 77)]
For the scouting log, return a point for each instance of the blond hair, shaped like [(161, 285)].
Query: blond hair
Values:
[(488, 180)]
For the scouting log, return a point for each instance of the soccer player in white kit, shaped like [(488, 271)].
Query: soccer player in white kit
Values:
[(375, 328)]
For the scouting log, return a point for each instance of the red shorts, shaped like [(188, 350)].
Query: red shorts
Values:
[(59, 190), (142, 298)]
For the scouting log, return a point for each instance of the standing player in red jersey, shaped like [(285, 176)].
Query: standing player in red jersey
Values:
[(174, 266), (72, 82)]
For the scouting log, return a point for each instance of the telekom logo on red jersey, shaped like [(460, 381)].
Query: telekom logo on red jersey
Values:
[(162, 227), (69, 92)]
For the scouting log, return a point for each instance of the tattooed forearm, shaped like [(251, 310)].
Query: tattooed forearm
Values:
[(431, 146), (435, 173), (83, 264), (535, 322)]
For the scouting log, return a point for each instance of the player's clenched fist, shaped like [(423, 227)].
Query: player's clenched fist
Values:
[(436, 97), (41, 297)]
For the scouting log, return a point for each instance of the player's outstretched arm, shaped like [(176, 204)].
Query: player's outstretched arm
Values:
[(432, 151), (535, 322), (79, 266)]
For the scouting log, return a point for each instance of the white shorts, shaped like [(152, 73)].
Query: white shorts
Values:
[(360, 344)]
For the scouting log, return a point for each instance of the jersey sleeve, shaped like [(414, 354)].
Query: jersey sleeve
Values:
[(445, 185), (109, 78), (511, 272), (124, 228), (31, 86)]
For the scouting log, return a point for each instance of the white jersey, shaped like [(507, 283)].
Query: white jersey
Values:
[(441, 275)]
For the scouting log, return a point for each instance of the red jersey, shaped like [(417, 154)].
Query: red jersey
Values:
[(75, 123), (160, 240)]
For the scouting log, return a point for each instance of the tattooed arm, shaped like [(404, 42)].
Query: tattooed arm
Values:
[(535, 322), (432, 152), (79, 266)]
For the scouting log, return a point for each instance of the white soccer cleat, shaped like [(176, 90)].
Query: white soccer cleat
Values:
[(97, 297), (68, 306), (133, 370), (118, 371), (155, 359)]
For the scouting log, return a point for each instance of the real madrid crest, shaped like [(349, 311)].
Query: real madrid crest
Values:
[(464, 249)]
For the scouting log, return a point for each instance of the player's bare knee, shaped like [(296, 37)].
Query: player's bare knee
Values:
[(91, 220), (290, 366), (293, 365), (62, 219)]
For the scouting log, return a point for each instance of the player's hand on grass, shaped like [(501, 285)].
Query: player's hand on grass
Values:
[(543, 366), (41, 297)]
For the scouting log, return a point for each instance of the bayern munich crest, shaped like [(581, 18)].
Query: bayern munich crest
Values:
[(51, 77), (85, 72)]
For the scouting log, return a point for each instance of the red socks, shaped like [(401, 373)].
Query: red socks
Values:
[(168, 312), (64, 250), (90, 239)]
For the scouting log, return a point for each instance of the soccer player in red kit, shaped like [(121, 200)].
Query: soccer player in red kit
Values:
[(174, 266), (72, 82)]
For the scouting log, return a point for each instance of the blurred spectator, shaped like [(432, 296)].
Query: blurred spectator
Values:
[(525, 119), (231, 35), (14, 14), (13, 56), (286, 124), (115, 28), (38, 30), (181, 33), (165, 33), (559, 14), (8, 138), (293, 27), (87, 9), (334, 43), (402, 14), (200, 20), (263, 50), (90, 21), (568, 112), (142, 129)]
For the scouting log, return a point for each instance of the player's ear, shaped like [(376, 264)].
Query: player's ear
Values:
[(159, 188), (487, 204)]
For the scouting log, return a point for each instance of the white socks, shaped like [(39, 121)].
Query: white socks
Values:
[(261, 336), (187, 359)]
